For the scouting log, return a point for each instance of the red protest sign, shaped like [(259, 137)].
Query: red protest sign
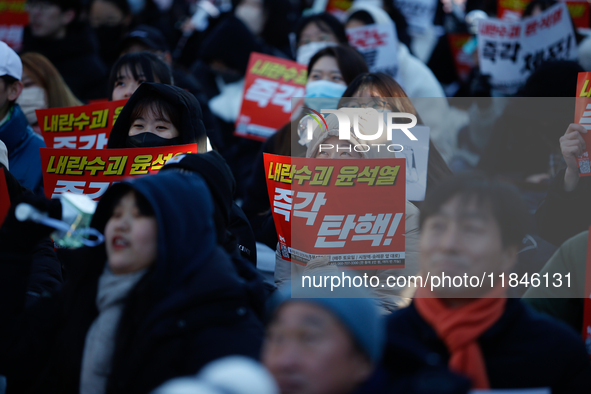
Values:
[(463, 61), (579, 11), (13, 19), (92, 171), (81, 127), (583, 117), (513, 9), (270, 84), (4, 196), (350, 210), (587, 304)]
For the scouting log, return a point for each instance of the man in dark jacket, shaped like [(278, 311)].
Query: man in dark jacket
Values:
[(189, 307), (56, 32), (471, 229), (20, 139)]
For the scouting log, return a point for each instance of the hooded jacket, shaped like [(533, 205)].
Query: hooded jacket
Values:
[(190, 308), (191, 130), (23, 146)]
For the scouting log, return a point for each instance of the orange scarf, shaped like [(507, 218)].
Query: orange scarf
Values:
[(460, 328)]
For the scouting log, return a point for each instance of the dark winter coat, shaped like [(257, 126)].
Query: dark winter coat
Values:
[(76, 58), (562, 214), (523, 349), (190, 308), (192, 129)]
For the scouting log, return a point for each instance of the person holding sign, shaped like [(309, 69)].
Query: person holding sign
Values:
[(334, 67), (159, 115), (416, 78), (472, 227), (388, 94), (159, 299), (565, 211), (413, 75), (390, 297)]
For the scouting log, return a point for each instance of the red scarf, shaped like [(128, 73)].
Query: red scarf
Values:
[(460, 328)]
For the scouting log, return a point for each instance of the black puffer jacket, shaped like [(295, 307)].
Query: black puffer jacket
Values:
[(190, 308), (192, 129)]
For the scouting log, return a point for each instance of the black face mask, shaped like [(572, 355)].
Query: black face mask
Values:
[(150, 140)]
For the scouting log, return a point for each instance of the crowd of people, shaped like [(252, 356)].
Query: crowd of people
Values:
[(191, 292)]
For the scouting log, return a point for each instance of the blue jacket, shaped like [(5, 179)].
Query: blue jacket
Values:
[(23, 146)]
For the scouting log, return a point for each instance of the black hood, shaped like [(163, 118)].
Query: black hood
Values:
[(214, 170), (192, 129), (231, 43)]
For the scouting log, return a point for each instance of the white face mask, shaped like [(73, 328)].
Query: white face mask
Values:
[(30, 99), (305, 52), (252, 17)]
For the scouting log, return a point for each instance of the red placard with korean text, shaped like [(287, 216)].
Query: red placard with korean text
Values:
[(463, 62), (13, 19), (583, 117), (4, 196), (352, 211), (92, 171), (587, 303), (81, 127), (270, 84), (512, 10)]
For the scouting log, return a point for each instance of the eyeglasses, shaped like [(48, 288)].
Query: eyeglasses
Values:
[(377, 104)]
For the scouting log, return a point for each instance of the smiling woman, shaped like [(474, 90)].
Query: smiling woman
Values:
[(154, 122), (159, 115), (133, 69)]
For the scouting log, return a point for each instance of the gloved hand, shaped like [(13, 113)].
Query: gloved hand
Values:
[(17, 236)]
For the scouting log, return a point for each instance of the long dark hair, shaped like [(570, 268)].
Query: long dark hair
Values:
[(350, 62), (325, 22), (154, 69)]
